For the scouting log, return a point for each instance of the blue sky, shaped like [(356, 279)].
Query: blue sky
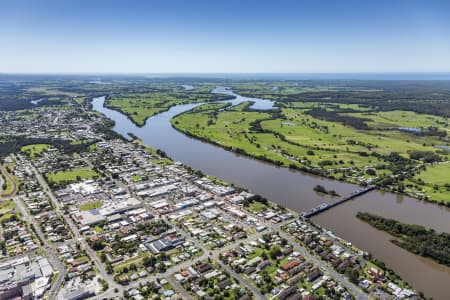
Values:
[(103, 36)]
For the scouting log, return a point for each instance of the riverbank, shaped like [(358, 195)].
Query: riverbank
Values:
[(414, 238), (423, 273), (293, 139)]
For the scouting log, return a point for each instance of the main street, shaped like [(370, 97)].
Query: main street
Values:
[(80, 239), (53, 257)]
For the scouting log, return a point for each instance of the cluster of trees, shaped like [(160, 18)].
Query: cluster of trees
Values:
[(105, 128), (397, 163), (255, 198), (321, 189), (11, 218), (153, 228), (97, 245), (11, 104), (414, 238), (369, 146), (121, 247), (16, 96), (323, 114), (15, 90), (426, 156), (3, 247), (432, 131), (148, 291)]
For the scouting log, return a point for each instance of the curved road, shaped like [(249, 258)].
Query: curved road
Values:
[(11, 180)]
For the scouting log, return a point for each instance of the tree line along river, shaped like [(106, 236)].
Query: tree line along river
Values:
[(294, 189)]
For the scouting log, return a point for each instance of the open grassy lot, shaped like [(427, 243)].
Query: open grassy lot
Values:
[(435, 182), (228, 129), (123, 267), (400, 118), (436, 174), (7, 206), (439, 194), (90, 205), (69, 176), (34, 149), (7, 210)]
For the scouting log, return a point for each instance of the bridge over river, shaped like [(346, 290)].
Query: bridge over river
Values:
[(325, 206)]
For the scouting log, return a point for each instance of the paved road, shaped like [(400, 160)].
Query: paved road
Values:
[(338, 277), (52, 255), (1, 184), (177, 287), (91, 253), (342, 243), (241, 280)]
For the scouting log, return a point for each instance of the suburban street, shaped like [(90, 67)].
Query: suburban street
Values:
[(338, 277)]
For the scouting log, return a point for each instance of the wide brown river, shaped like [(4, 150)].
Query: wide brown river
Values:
[(295, 190)]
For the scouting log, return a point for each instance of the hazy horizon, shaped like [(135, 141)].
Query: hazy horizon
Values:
[(427, 76)]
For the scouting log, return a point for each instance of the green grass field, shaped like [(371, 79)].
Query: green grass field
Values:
[(34, 149), (90, 205), (93, 147), (71, 176), (7, 210), (436, 174), (436, 181), (399, 118), (7, 206)]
